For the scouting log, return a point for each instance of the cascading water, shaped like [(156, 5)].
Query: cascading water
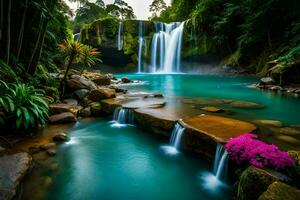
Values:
[(175, 140), (120, 40), (166, 47), (221, 163), (123, 116)]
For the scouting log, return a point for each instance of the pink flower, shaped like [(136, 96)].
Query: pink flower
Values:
[(247, 149)]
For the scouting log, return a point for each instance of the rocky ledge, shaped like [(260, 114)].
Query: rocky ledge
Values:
[(12, 170)]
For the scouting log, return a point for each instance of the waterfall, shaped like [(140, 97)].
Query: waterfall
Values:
[(169, 39), (221, 163), (142, 43), (120, 40), (123, 116), (175, 140)]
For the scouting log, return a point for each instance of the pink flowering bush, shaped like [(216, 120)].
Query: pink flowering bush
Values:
[(247, 148)]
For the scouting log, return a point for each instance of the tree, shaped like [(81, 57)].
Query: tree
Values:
[(89, 57), (120, 9), (157, 6)]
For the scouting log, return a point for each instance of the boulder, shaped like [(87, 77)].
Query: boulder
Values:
[(102, 93), (254, 181), (34, 150), (275, 88), (280, 191), (47, 146), (101, 80), (96, 109), (296, 156), (59, 108), (61, 137), (79, 82), (86, 112), (66, 117), (13, 168), (126, 80), (51, 152), (212, 109), (111, 76), (81, 93), (266, 81), (273, 123), (71, 102)]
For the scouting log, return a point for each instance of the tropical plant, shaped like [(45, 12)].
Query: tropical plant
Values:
[(22, 104), (248, 149), (89, 57)]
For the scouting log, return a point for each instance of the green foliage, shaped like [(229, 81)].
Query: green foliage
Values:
[(157, 6), (89, 57), (6, 72), (23, 105)]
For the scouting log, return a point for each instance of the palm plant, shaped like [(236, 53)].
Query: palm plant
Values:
[(23, 104), (71, 50), (89, 57)]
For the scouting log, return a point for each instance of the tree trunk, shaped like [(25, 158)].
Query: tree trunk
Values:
[(8, 32), (20, 40), (63, 83)]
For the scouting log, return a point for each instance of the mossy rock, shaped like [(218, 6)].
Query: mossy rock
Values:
[(280, 191), (96, 109)]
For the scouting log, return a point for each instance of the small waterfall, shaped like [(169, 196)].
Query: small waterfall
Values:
[(120, 40), (221, 163), (169, 39), (142, 44), (123, 116), (175, 140)]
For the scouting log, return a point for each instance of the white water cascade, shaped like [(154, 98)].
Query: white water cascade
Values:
[(142, 46), (221, 163), (175, 140), (120, 33), (166, 47), (123, 117)]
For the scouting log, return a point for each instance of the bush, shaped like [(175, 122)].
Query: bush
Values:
[(23, 105), (247, 149)]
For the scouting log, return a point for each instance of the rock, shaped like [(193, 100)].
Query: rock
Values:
[(118, 90), (81, 93), (109, 105), (96, 109), (280, 191), (245, 104), (274, 123), (86, 112), (111, 76), (47, 146), (102, 93), (79, 82), (158, 95), (212, 109), (295, 155), (71, 102), (253, 182), (2, 149), (101, 80), (126, 80), (275, 88), (61, 137), (66, 117), (59, 108), (13, 168), (73, 72), (34, 150), (294, 132), (267, 81), (51, 152)]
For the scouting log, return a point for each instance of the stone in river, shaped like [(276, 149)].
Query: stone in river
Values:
[(48, 146), (212, 109), (51, 152), (246, 104), (126, 80), (274, 123), (61, 137), (102, 93), (66, 117)]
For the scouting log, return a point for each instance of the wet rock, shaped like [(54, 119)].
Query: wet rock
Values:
[(294, 132), (71, 102), (61, 137), (157, 95), (254, 181), (34, 150), (86, 112), (101, 80), (118, 90), (126, 80), (101, 93), (47, 146), (280, 191), (79, 82), (109, 105), (266, 81), (80, 94), (212, 109), (275, 88), (59, 108), (66, 117), (51, 152), (96, 109), (273, 123), (13, 168), (246, 104), (111, 76)]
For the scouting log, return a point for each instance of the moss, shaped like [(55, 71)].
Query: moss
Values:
[(280, 191)]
